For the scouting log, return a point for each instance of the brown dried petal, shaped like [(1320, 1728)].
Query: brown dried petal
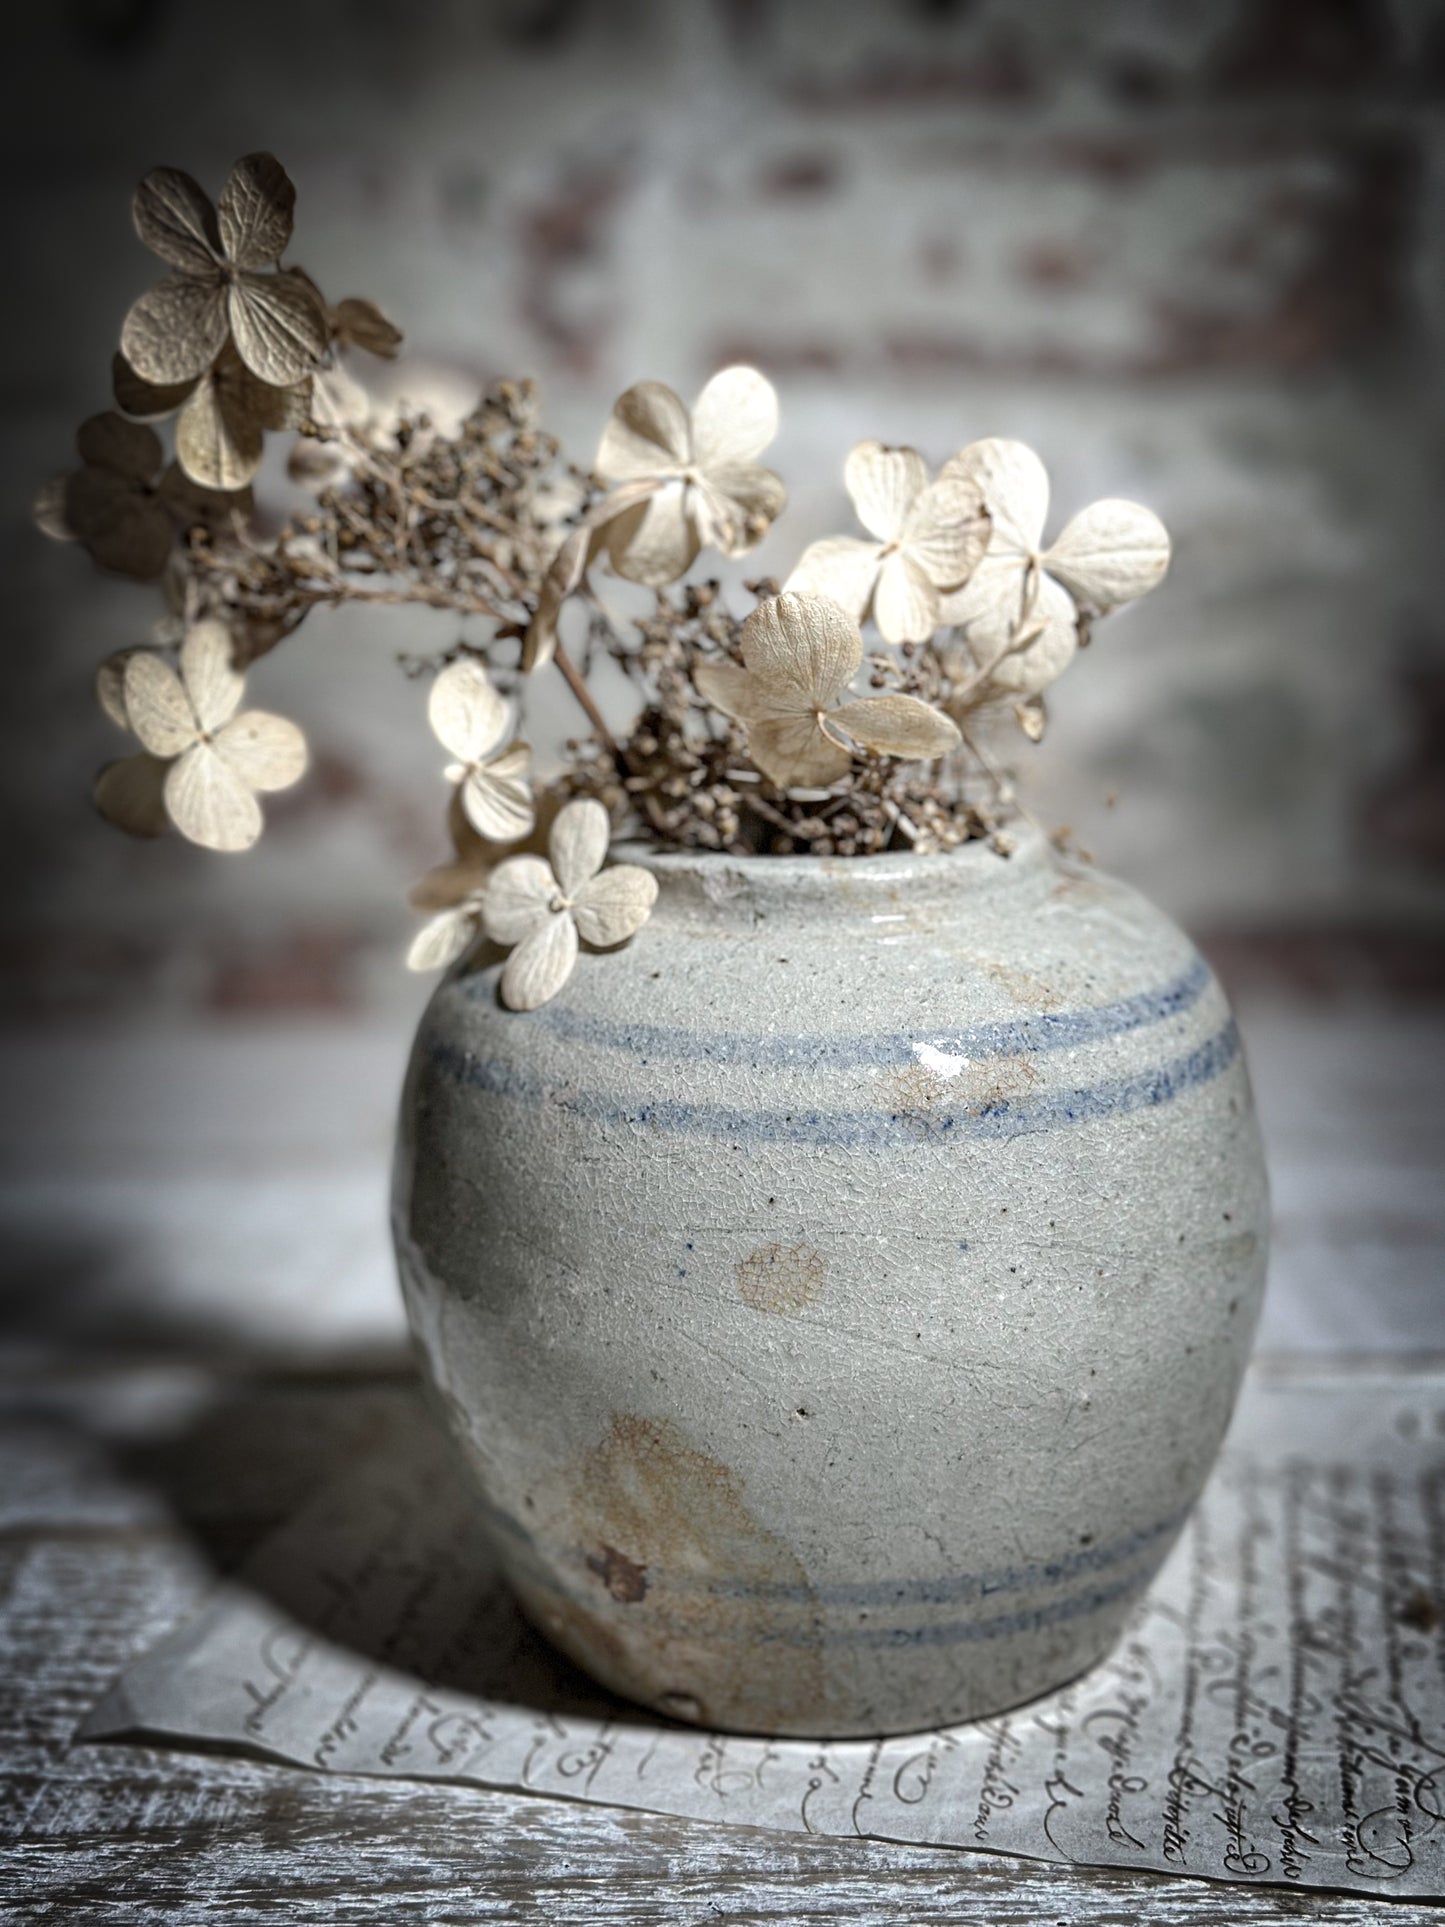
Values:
[(195, 506), (144, 400), (127, 448), (256, 209), (657, 541), (279, 326), (899, 726), (803, 651), (648, 434), (122, 524), (358, 323), (174, 217), (793, 750), (176, 329), (219, 441), (130, 794)]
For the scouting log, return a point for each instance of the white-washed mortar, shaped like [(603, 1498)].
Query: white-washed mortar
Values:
[(841, 1291)]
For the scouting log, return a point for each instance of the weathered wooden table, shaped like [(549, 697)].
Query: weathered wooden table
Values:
[(201, 1327)]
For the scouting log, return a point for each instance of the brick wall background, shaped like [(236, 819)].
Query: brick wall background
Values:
[(1193, 250)]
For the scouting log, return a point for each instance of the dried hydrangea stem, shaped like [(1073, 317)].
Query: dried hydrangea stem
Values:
[(572, 676)]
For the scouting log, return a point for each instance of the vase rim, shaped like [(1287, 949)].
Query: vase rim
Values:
[(716, 883)]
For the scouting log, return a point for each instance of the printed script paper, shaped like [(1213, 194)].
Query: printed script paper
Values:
[(1275, 1713)]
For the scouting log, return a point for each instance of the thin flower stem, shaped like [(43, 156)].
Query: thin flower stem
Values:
[(574, 682)]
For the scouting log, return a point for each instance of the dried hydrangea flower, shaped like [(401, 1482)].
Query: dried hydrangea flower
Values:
[(708, 489), (226, 285), (470, 719), (538, 910), (928, 537), (800, 653), (217, 761), (121, 506), (1020, 608), (453, 891)]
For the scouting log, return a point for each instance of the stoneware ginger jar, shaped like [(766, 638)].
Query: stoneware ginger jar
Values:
[(841, 1291)]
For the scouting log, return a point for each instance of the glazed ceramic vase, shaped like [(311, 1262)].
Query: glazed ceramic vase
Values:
[(841, 1291)]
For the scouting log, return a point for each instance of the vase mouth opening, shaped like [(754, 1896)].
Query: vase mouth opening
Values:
[(718, 879)]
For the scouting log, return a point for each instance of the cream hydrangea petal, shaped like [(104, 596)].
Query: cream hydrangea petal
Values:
[(1110, 553), (732, 690), (1051, 634), (219, 444), (208, 669), (279, 326), (884, 483), (127, 448), (898, 726), (131, 794), (792, 750), (467, 713), (541, 963), (442, 940), (734, 419), (614, 905), (519, 893), (174, 217), (802, 651), (48, 510), (842, 567), (176, 329), (648, 434), (655, 542), (578, 843), (255, 211), (209, 803), (947, 532), (110, 687), (1015, 488), (905, 603), (156, 706), (267, 752), (499, 807)]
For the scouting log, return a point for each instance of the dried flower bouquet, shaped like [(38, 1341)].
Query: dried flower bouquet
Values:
[(751, 736)]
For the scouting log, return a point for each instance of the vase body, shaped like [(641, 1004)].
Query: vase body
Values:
[(841, 1291)]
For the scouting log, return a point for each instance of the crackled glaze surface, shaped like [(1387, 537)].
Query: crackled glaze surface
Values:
[(840, 1292)]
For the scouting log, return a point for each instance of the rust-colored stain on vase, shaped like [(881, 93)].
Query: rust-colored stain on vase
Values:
[(781, 1277), (693, 1605)]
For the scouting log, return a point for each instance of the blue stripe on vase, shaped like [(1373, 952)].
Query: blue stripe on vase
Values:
[(1010, 1037), (870, 1130)]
